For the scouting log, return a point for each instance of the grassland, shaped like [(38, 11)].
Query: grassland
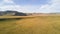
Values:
[(35, 25)]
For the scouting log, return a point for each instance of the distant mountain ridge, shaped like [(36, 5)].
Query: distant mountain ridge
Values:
[(12, 13)]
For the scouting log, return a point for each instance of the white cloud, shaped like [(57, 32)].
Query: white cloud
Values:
[(54, 7), (8, 1)]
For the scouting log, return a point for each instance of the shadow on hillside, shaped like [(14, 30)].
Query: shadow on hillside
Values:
[(10, 19)]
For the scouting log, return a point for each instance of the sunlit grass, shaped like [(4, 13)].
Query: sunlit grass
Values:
[(36, 25)]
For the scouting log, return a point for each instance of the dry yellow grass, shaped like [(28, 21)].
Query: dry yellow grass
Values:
[(41, 25), (26, 16), (36, 25)]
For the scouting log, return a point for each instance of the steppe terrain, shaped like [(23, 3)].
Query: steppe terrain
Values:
[(30, 25)]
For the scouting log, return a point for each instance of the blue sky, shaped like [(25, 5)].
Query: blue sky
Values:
[(31, 2), (31, 6)]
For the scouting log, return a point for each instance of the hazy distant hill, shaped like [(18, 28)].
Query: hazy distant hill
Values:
[(43, 14)]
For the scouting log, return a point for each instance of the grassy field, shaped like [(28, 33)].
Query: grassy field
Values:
[(36, 25)]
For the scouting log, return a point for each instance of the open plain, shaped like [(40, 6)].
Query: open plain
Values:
[(30, 25)]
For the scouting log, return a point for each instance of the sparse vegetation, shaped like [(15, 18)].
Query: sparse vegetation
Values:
[(36, 25)]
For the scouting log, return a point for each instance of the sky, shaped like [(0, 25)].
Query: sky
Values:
[(31, 6)]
